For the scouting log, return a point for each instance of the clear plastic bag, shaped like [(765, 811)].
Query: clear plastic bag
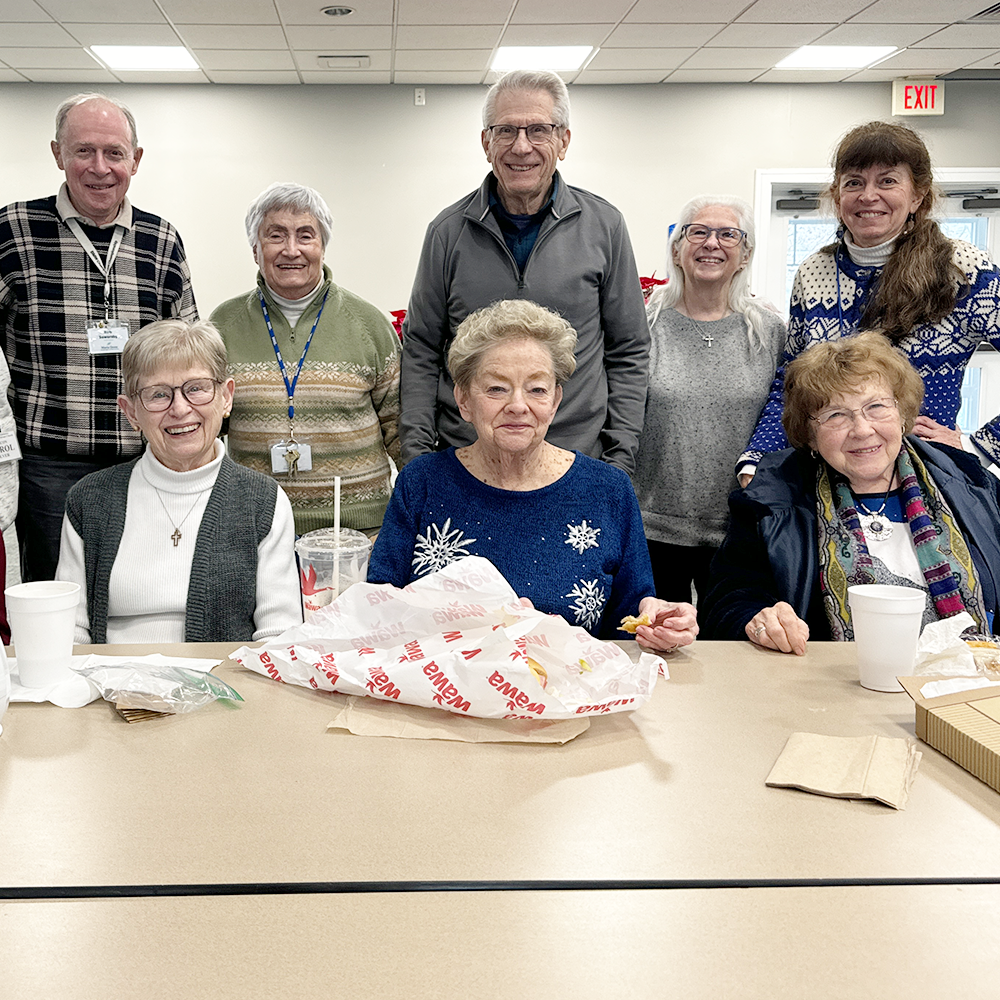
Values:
[(158, 688), (986, 652)]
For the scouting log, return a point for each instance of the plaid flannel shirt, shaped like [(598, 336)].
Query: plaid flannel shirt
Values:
[(64, 398)]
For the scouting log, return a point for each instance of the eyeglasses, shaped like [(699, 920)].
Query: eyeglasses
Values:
[(728, 236), (197, 391), (876, 412), (537, 135)]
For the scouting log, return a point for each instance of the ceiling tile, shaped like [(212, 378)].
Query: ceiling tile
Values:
[(306, 60), (232, 36), (879, 75), (124, 34), (70, 76), (11, 76), (686, 75), (857, 33), (447, 36), (433, 76), (803, 76), (763, 35), (310, 12), (20, 34), (580, 11), (363, 36), (736, 58), (681, 11), (469, 60), (257, 76), (352, 77), (965, 36), (556, 34), (37, 58), (817, 11), (220, 11), (662, 35), (942, 60), (920, 11), (19, 10), (599, 76), (646, 59), (256, 59), (131, 11), (453, 11), (992, 61)]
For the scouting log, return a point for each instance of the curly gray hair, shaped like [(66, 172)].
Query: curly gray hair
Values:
[(285, 194)]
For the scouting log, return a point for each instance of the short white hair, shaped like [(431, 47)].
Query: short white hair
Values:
[(285, 194), (528, 79), (62, 113)]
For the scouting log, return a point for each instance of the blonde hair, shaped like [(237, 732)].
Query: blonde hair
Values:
[(511, 319), (176, 343)]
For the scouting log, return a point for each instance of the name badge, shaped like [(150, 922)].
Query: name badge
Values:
[(107, 336), (10, 450), (291, 457)]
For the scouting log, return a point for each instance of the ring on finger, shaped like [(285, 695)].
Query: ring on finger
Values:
[(758, 630)]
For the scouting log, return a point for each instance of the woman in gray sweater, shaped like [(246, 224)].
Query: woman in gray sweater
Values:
[(713, 354)]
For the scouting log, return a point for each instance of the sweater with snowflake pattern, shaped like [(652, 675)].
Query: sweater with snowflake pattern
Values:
[(828, 299), (575, 548)]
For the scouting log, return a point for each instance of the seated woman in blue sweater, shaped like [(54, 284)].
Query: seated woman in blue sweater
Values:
[(564, 529)]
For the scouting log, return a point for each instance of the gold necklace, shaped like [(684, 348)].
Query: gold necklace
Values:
[(176, 536)]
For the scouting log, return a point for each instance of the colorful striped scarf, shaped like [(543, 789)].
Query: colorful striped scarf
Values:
[(942, 552)]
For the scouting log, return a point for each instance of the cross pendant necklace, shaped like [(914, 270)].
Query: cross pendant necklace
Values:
[(176, 536), (708, 338)]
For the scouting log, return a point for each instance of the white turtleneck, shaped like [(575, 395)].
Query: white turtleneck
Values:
[(868, 256), (292, 309), (147, 590)]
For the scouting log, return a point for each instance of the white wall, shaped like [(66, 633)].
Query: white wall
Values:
[(387, 167)]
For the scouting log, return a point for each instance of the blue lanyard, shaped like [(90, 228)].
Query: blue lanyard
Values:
[(290, 386)]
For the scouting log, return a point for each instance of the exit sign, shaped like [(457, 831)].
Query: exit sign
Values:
[(918, 97)]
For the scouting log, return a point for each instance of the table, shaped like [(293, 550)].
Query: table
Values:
[(263, 793), (889, 942)]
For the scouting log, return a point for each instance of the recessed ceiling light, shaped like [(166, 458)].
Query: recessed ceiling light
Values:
[(336, 11), (836, 56), (554, 57), (145, 57)]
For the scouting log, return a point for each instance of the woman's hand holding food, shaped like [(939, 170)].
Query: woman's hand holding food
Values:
[(670, 625), (780, 628)]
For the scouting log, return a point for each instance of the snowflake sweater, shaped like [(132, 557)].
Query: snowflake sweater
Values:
[(820, 310), (575, 548)]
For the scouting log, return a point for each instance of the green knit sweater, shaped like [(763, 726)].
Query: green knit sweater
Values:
[(346, 401)]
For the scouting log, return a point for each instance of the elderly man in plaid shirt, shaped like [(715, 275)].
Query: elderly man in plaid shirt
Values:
[(79, 272)]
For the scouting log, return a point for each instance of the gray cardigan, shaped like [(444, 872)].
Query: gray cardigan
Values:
[(222, 590), (582, 267)]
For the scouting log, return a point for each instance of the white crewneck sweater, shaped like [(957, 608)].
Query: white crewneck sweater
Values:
[(147, 590)]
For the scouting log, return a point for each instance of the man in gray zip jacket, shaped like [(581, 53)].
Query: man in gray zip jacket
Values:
[(527, 234)]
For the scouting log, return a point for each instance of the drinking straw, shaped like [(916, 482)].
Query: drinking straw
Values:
[(336, 535)]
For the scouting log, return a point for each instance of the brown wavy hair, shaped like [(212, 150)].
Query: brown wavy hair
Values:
[(835, 367), (920, 283)]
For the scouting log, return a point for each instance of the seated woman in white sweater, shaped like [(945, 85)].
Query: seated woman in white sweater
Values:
[(181, 544)]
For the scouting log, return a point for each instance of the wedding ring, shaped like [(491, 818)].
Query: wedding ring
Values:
[(758, 630)]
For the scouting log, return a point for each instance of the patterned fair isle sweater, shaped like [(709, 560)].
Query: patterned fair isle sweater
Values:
[(939, 351), (346, 400), (575, 548)]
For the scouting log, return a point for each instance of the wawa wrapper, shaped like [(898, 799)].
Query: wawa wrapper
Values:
[(458, 640)]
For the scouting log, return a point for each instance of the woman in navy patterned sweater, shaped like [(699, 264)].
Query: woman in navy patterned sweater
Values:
[(563, 528), (892, 269)]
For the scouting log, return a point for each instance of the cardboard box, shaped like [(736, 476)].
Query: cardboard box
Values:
[(964, 726)]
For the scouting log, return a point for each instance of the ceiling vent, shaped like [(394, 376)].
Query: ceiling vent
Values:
[(344, 62)]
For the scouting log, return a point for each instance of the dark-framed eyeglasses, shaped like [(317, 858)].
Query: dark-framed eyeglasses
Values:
[(197, 391), (728, 236), (537, 134), (876, 412)]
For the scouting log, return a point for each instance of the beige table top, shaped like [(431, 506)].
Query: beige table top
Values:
[(264, 793), (830, 943)]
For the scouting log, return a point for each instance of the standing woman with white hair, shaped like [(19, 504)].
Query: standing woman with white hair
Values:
[(316, 370), (713, 350)]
